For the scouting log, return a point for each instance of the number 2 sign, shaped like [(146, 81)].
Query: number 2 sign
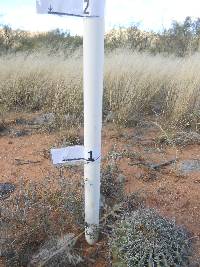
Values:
[(79, 8), (86, 12)]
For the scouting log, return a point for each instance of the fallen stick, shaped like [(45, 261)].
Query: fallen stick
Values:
[(154, 166), (23, 162)]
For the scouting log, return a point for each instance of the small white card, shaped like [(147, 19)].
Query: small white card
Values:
[(68, 155), (80, 8)]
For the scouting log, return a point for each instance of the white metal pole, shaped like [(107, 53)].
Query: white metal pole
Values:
[(93, 60)]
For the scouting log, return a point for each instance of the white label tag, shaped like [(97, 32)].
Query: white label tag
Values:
[(68, 155), (80, 8)]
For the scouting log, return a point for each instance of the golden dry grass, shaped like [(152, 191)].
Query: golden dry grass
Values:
[(135, 85)]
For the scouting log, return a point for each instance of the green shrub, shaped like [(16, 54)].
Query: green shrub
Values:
[(146, 239)]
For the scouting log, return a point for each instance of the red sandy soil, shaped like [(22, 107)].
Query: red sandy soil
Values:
[(173, 194)]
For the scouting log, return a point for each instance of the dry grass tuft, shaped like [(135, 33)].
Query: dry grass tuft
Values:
[(57, 252), (40, 212), (135, 85)]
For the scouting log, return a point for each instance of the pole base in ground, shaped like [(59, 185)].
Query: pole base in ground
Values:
[(91, 234)]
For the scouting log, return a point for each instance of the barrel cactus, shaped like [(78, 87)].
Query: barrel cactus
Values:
[(144, 238)]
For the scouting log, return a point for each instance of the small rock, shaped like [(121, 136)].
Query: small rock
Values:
[(3, 130), (189, 166), (21, 121), (6, 189), (19, 133), (2, 127)]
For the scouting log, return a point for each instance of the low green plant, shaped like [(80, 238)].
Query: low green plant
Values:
[(145, 239)]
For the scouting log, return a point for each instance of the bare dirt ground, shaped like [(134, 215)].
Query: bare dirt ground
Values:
[(166, 177)]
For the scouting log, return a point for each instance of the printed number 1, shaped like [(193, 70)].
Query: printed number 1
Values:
[(86, 8)]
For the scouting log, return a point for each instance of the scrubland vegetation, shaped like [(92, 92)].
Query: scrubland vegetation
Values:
[(180, 39), (145, 74), (136, 85), (148, 77), (43, 225)]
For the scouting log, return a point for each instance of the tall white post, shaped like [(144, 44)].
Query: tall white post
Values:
[(93, 47)]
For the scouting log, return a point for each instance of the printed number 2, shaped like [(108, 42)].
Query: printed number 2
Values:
[(86, 8)]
